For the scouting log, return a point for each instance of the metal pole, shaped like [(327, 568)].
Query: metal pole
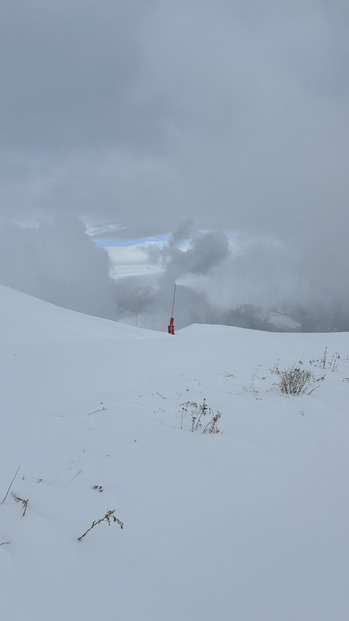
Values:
[(170, 327), (174, 297)]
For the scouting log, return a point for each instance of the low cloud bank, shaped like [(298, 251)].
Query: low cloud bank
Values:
[(250, 282), (246, 281), (59, 263)]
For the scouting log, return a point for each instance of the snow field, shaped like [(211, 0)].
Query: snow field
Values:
[(249, 524)]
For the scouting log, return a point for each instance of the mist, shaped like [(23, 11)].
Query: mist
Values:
[(223, 123), (59, 263), (242, 280), (233, 280)]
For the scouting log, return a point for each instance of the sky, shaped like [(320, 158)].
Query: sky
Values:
[(140, 118)]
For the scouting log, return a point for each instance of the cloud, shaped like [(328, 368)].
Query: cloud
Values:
[(59, 263), (237, 281), (241, 281), (70, 63), (144, 112), (139, 115)]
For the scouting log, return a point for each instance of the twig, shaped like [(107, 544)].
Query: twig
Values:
[(106, 518), (76, 475), (24, 503), (9, 487), (211, 427), (102, 409), (160, 395), (5, 543)]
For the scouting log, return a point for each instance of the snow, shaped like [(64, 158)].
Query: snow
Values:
[(248, 524), (280, 320)]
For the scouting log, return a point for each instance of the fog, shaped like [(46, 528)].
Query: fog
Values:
[(235, 281), (129, 119), (59, 263)]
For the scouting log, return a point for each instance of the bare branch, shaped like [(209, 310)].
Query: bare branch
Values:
[(106, 518), (24, 503), (9, 487)]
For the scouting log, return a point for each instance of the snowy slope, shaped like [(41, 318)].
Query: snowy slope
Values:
[(248, 524)]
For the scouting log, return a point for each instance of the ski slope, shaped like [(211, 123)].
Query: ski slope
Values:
[(249, 524)]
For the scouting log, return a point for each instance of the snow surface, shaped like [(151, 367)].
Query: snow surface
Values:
[(250, 524)]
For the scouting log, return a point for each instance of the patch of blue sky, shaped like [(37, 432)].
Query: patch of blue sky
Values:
[(138, 241), (162, 239)]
